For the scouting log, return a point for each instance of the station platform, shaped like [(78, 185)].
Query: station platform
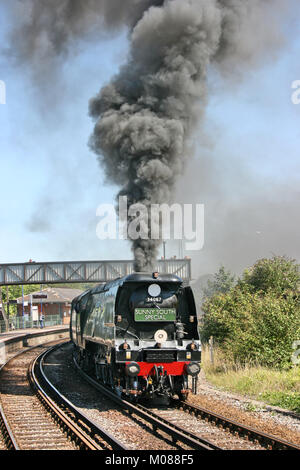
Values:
[(28, 331), (15, 340)]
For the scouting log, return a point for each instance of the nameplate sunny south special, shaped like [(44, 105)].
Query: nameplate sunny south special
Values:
[(154, 314)]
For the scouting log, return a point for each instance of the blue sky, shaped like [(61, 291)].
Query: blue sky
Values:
[(51, 183)]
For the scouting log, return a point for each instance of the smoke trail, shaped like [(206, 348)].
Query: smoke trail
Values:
[(44, 30), (146, 114)]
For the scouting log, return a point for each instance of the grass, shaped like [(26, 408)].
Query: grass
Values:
[(276, 387)]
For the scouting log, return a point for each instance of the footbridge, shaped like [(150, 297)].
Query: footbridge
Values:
[(64, 272)]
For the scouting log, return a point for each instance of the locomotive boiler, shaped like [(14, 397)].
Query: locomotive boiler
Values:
[(138, 334)]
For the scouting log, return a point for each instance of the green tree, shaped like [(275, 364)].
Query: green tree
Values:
[(14, 292), (279, 274), (222, 283)]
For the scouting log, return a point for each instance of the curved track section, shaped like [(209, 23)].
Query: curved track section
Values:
[(34, 416), (177, 433), (87, 434), (27, 422)]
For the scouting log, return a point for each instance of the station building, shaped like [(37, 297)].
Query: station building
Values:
[(54, 301)]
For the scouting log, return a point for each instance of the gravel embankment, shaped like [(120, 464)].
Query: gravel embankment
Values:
[(247, 411)]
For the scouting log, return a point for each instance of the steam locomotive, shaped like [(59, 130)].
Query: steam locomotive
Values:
[(138, 334)]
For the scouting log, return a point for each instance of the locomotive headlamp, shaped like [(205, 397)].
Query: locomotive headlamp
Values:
[(189, 355), (192, 318), (128, 354), (161, 336), (193, 368), (133, 369)]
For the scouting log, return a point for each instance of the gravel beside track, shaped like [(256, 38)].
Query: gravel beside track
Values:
[(248, 412), (208, 431)]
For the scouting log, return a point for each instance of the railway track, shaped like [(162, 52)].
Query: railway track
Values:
[(158, 423), (265, 440), (167, 420), (196, 435), (35, 416)]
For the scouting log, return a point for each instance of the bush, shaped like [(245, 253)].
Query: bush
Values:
[(278, 275), (259, 319)]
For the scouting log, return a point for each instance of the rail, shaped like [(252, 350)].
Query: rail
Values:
[(87, 434), (265, 440)]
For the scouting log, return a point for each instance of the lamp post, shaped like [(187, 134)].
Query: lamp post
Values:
[(23, 311), (41, 307)]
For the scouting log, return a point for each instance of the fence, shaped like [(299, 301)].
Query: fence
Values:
[(16, 323)]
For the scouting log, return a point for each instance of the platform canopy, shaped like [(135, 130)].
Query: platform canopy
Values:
[(63, 272)]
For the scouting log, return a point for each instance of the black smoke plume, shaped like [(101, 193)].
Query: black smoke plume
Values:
[(145, 117)]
